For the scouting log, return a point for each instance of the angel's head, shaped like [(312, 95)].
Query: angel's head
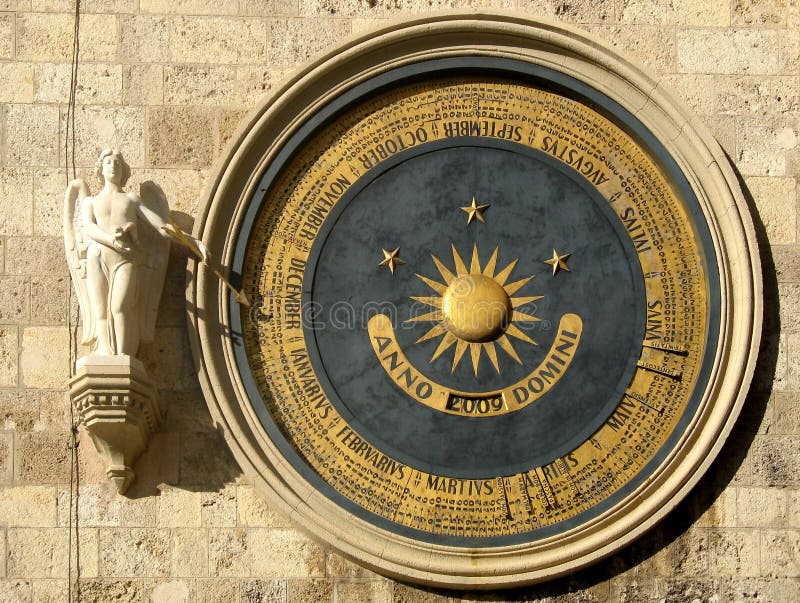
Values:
[(112, 166)]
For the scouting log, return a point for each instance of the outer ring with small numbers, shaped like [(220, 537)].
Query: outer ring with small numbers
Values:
[(484, 46)]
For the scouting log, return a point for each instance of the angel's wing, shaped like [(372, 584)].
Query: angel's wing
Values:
[(155, 255), (75, 248)]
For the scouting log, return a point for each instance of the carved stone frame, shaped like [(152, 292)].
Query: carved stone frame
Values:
[(566, 50)]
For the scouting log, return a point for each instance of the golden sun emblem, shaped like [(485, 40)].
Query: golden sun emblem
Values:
[(475, 309)]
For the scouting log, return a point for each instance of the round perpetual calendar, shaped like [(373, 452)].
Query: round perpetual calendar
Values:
[(502, 311)]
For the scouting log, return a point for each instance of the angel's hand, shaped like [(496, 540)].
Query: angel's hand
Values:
[(204, 251)]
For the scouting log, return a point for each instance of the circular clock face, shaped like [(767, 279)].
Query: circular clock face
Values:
[(484, 308), (489, 311)]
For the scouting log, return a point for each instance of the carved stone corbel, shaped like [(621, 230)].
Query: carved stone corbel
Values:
[(118, 405)]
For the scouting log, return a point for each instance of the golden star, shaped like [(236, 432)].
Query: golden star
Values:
[(475, 211), (558, 262), (390, 259)]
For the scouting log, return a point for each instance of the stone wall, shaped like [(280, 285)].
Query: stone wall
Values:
[(167, 81)]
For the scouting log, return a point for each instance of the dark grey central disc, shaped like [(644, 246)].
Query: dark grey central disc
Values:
[(537, 205)]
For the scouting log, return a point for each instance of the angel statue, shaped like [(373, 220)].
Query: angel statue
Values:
[(117, 246)]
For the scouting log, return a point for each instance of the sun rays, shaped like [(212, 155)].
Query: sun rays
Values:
[(475, 309)]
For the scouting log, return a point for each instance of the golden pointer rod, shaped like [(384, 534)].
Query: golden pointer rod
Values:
[(178, 235)]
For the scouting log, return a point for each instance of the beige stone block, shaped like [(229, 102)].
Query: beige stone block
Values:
[(200, 85), (6, 36), (28, 506), (364, 592), (136, 552), (776, 201), (205, 460), (787, 413), (216, 589), (48, 200), (32, 135), (685, 555), (780, 552), (366, 25), (766, 13), (168, 359), (181, 137), (16, 201), (793, 508), (733, 553), (15, 5), (17, 81), (312, 9), (9, 352), (53, 410), (339, 567), (111, 6), (144, 38), (772, 377), (738, 51), (790, 50), (188, 7), (19, 410), (229, 122), (767, 589), (48, 37), (699, 92), (282, 553), (721, 512), (44, 361), (98, 84), (143, 84), (266, 591), (16, 591), (44, 552), (173, 591), (678, 12), (182, 187), (218, 509), (751, 96), (189, 553), (763, 150), (723, 128), (404, 593), (6, 459), (100, 507), (53, 6), (158, 464), (98, 128), (294, 41), (774, 460), (119, 591), (218, 40), (592, 11), (254, 511), (789, 299), (787, 263), (177, 508), (50, 591), (14, 297), (300, 591), (228, 553), (42, 457), (49, 300), (793, 357), (653, 47), (761, 507), (268, 8)]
